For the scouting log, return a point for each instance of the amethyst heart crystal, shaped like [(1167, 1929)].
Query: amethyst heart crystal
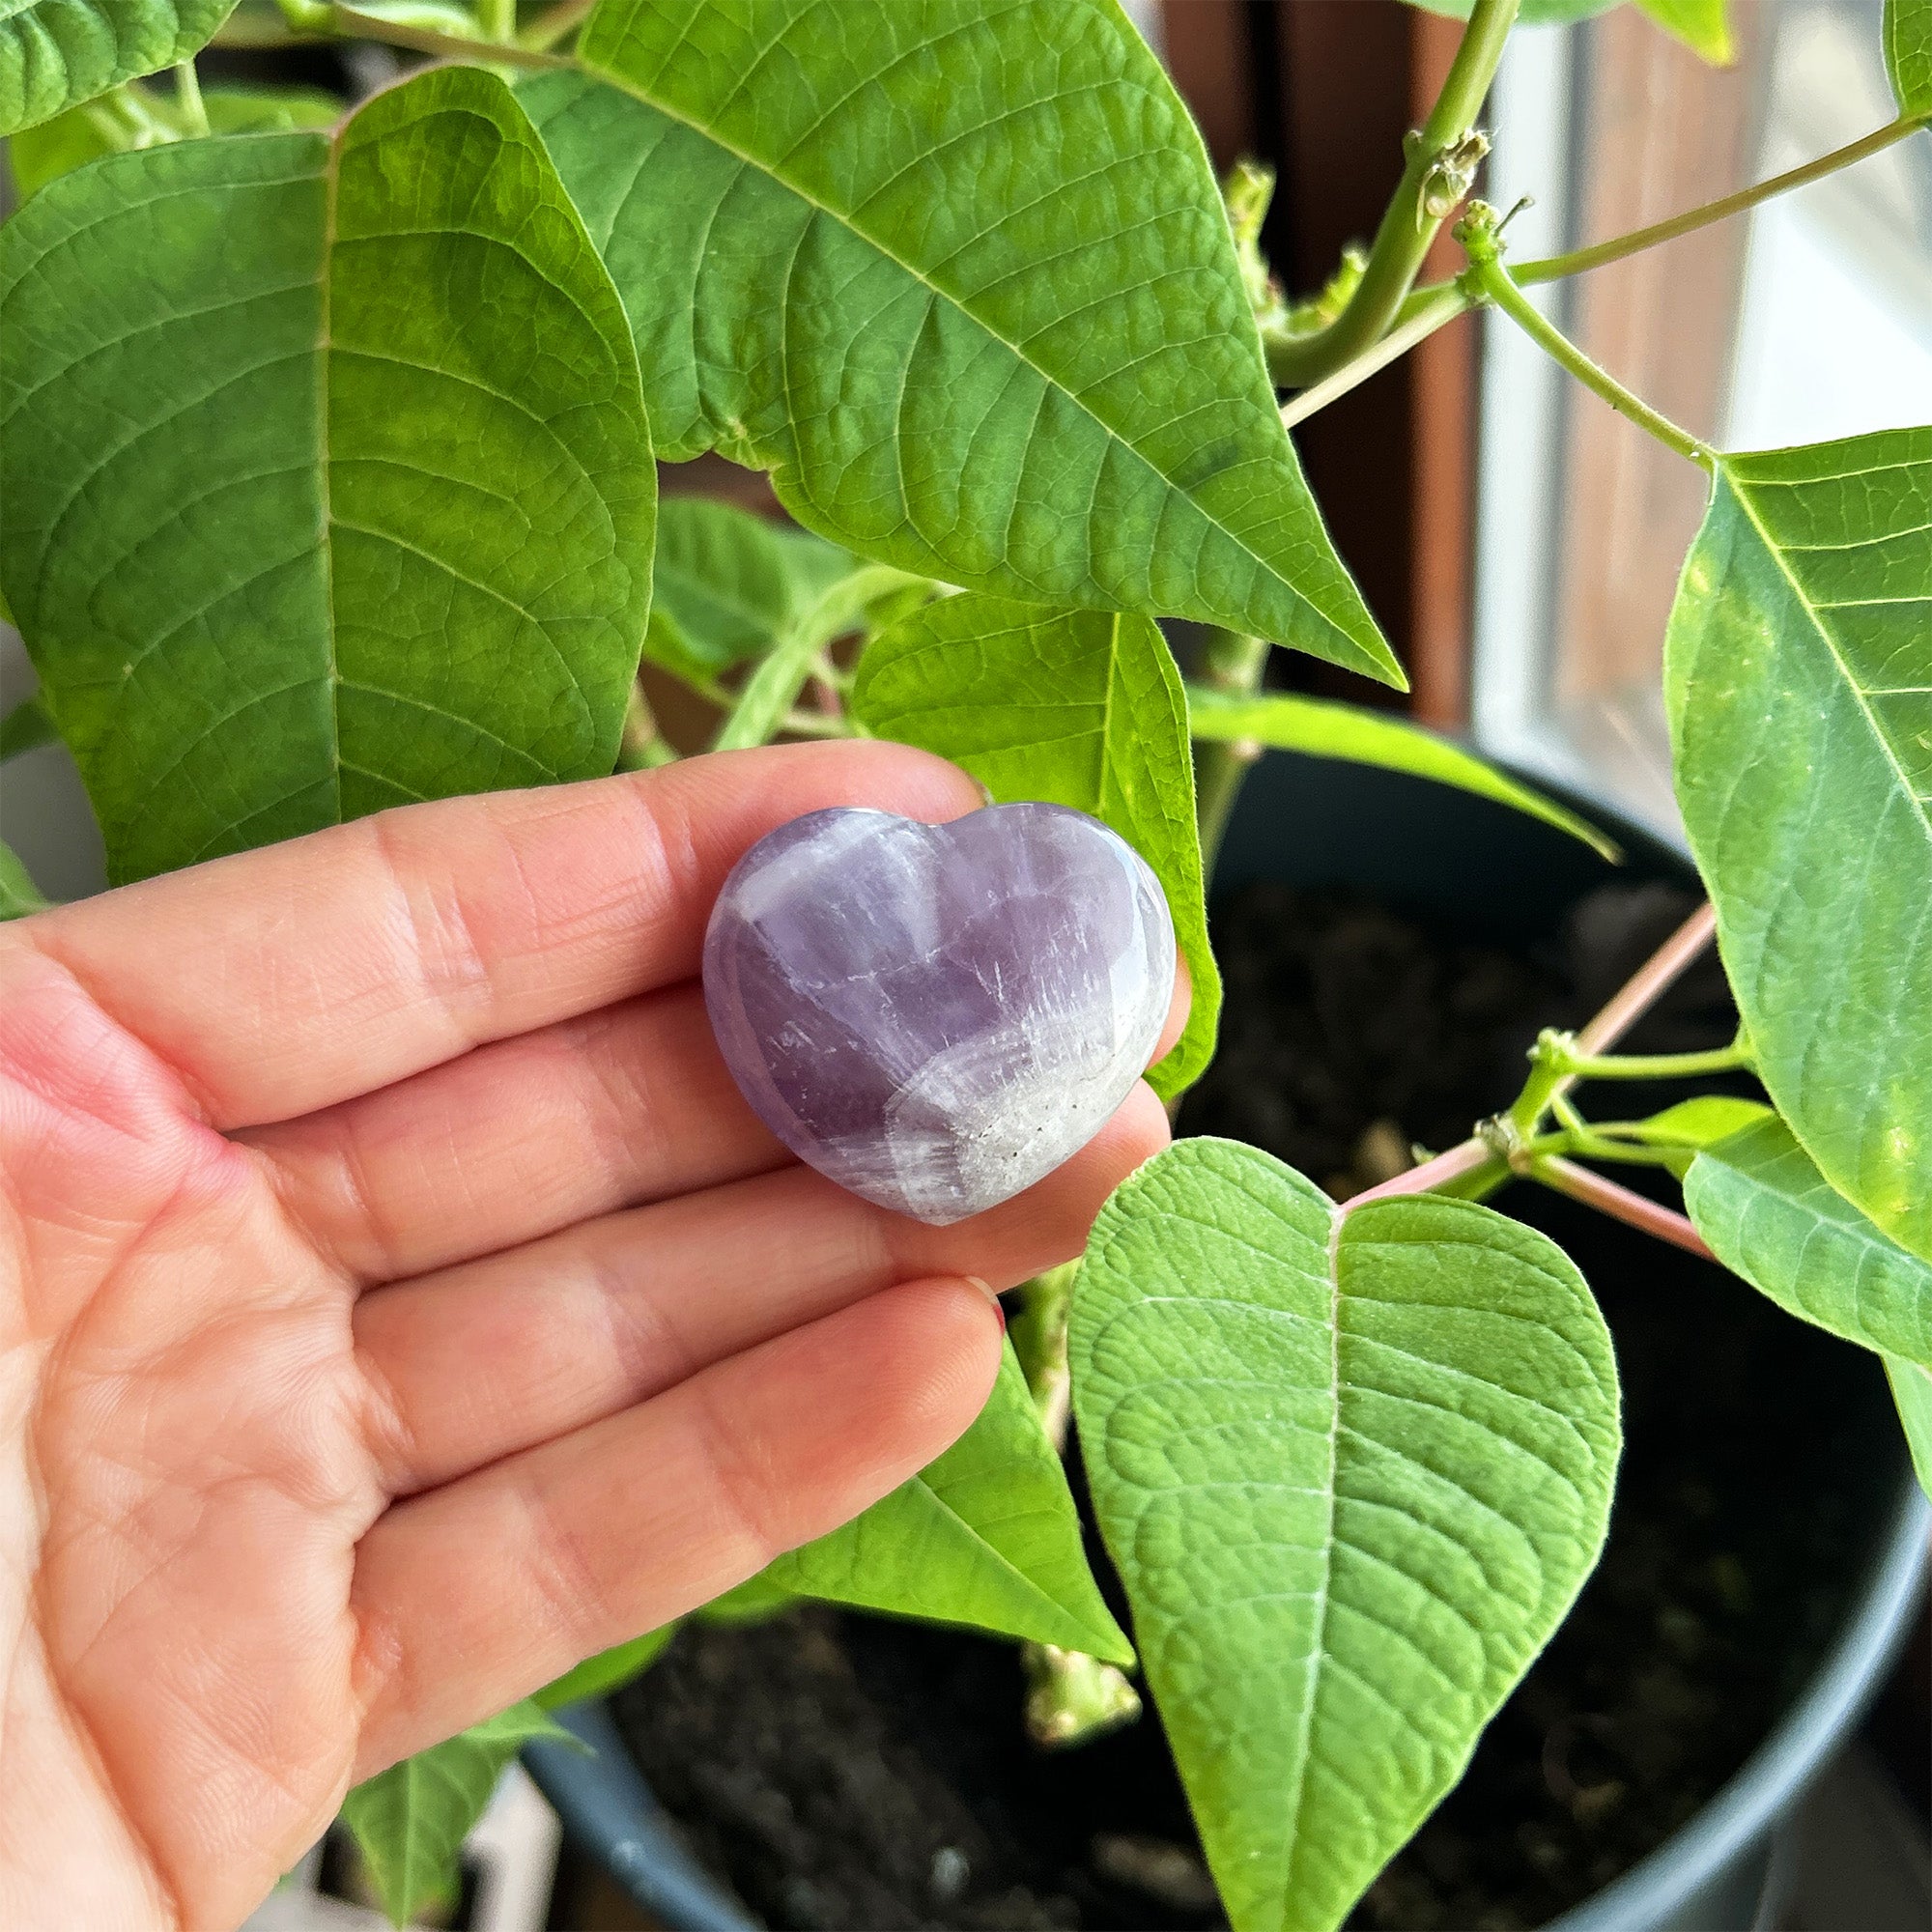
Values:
[(937, 1016)]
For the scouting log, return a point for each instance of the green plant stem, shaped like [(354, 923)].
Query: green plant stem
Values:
[(345, 22), (1040, 1332), (498, 21), (1656, 1065), (1620, 1203), (1579, 261), (1489, 281), (1435, 177), (1476, 1163), (1233, 665), (555, 24), (803, 724), (188, 103), (642, 747), (1440, 303)]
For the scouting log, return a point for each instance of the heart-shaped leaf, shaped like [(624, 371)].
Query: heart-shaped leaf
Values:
[(1353, 1470), (1906, 31), (726, 583), (55, 53), (1322, 729), (1798, 673), (1772, 1219), (960, 277), (411, 1820), (1080, 708), (987, 1536), (328, 479)]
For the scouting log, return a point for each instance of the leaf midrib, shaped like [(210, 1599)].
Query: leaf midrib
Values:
[(1009, 1569), (637, 92), (1298, 1791), (1814, 611)]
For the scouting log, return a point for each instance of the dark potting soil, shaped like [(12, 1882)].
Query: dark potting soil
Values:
[(849, 1772)]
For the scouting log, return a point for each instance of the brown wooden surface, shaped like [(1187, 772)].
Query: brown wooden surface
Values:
[(1661, 131), (1345, 92), (1207, 44), (1443, 454)]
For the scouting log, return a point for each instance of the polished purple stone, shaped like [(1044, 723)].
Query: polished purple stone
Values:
[(938, 1015)]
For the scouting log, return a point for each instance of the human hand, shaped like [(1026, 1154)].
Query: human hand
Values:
[(400, 1304)]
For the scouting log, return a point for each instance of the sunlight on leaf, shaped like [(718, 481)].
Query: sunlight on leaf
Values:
[(892, 253), (1072, 708), (300, 523), (1770, 1216), (1703, 25), (1354, 1471), (1907, 33), (1798, 675)]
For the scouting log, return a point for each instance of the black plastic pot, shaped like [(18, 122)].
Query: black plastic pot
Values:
[(1505, 878)]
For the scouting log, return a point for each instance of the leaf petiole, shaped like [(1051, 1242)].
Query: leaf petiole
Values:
[(1619, 1202), (1488, 280), (189, 106)]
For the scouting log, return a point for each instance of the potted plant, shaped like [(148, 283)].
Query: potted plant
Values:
[(328, 464)]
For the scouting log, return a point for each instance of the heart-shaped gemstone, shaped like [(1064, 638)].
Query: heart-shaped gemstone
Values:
[(938, 1015)]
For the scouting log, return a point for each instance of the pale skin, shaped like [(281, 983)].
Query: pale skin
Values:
[(399, 1304)]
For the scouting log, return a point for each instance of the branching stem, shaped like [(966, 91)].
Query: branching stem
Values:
[(1619, 1202), (1232, 664), (1579, 261), (1440, 164), (1485, 1157), (1486, 279)]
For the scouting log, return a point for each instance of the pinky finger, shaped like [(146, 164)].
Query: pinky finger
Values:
[(473, 1595)]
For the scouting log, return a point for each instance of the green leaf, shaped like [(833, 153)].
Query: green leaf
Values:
[(987, 1536), (411, 1820), (960, 277), (608, 1670), (726, 583), (328, 479), (19, 895), (1072, 707), (1908, 53), (1702, 25), (1912, 1391), (1684, 1130), (1364, 737), (81, 135), (774, 686), (1354, 1471), (1798, 674), (54, 53), (25, 729), (1772, 1219), (1700, 1123)]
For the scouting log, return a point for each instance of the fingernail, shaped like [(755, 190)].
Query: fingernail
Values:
[(985, 1288)]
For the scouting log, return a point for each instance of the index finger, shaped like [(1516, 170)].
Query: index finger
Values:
[(277, 981)]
